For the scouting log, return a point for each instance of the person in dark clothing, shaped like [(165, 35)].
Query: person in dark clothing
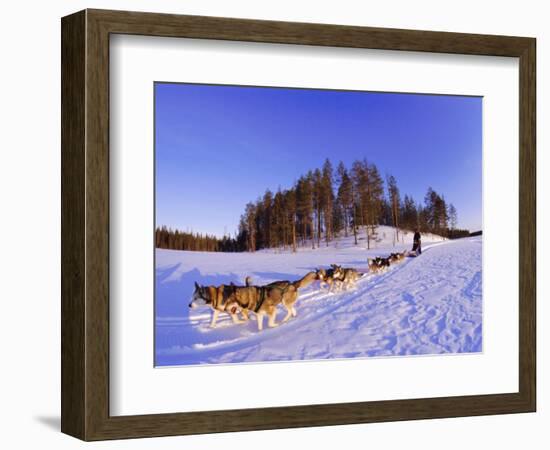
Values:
[(416, 243)]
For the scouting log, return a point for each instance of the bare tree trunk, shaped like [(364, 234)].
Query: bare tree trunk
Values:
[(327, 229), (285, 227), (293, 234), (355, 223), (367, 229), (395, 217), (368, 239), (318, 228), (345, 222), (312, 233)]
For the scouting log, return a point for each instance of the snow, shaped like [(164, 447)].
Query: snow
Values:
[(426, 305)]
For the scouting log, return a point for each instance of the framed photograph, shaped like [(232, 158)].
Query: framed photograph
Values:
[(273, 225)]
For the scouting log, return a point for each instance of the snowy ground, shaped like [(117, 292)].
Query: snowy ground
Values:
[(426, 305)]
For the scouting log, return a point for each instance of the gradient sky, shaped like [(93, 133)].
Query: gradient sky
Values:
[(219, 147)]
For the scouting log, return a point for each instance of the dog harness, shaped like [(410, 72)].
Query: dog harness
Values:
[(263, 294), (217, 302), (262, 298)]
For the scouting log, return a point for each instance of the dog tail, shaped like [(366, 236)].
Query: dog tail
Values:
[(306, 280)]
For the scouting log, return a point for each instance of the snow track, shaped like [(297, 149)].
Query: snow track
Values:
[(426, 305)]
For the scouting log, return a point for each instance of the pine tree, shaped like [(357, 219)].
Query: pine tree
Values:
[(386, 213), (409, 213), (345, 196), (278, 220), (327, 201), (337, 218), (453, 218), (359, 177), (318, 195), (443, 216), (267, 219), (374, 198), (304, 205), (423, 219), (436, 212), (354, 199), (395, 203), (251, 227), (431, 210), (290, 201)]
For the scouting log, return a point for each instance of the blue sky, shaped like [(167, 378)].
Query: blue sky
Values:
[(219, 147)]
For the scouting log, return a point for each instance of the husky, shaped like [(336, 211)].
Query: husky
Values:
[(350, 277), (384, 262), (378, 264), (219, 298), (397, 257), (330, 277), (374, 266), (263, 300)]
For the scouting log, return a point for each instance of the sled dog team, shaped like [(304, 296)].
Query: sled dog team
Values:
[(378, 264), (264, 300)]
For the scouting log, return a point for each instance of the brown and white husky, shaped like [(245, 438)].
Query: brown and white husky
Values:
[(219, 298), (330, 277), (263, 300)]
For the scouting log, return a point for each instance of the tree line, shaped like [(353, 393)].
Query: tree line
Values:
[(321, 205), (168, 238)]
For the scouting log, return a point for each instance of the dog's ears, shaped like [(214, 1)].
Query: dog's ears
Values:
[(197, 287)]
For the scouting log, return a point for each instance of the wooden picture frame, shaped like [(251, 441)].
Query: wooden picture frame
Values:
[(85, 224)]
